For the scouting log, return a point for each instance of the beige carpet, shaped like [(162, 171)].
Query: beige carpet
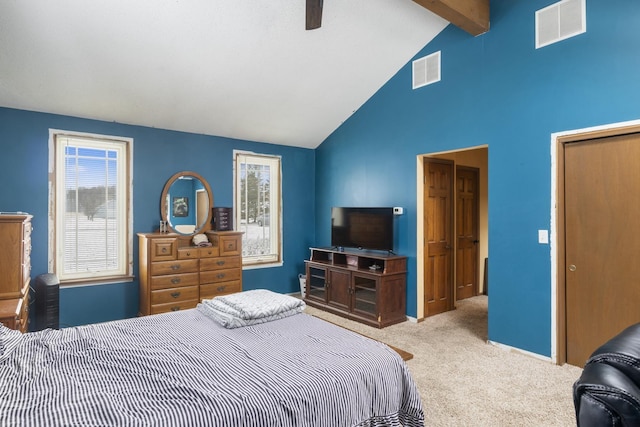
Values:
[(464, 381)]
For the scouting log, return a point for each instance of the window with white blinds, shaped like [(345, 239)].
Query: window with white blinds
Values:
[(257, 208), (91, 216)]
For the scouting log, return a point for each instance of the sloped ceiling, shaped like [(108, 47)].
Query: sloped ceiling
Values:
[(244, 69)]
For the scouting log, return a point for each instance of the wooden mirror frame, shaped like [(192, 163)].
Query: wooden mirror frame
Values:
[(164, 207)]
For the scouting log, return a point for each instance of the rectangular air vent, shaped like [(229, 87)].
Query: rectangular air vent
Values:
[(426, 70), (561, 20)]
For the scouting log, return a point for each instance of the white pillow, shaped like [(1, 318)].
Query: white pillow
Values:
[(9, 340)]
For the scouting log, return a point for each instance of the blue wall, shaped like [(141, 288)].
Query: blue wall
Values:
[(158, 154), (498, 90)]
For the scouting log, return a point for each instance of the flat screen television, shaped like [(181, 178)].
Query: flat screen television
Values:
[(364, 228)]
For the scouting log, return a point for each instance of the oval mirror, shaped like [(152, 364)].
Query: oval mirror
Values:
[(186, 203)]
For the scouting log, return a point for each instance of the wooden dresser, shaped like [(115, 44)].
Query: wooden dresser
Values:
[(15, 270), (175, 275)]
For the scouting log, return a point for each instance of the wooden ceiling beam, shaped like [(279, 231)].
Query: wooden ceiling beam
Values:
[(470, 15)]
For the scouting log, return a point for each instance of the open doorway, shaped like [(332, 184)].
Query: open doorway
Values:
[(452, 231)]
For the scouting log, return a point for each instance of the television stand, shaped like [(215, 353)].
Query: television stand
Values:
[(365, 286)]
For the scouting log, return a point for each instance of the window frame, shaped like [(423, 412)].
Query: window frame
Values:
[(275, 258), (124, 146)]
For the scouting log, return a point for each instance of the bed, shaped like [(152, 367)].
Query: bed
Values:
[(185, 369)]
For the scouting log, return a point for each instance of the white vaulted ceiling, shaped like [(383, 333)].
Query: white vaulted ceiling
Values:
[(244, 69)]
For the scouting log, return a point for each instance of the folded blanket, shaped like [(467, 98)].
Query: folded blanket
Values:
[(250, 308)]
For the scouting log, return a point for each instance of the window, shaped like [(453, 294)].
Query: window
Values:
[(90, 212), (257, 207)]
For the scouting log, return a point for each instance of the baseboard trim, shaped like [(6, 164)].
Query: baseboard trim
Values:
[(520, 351), (412, 319)]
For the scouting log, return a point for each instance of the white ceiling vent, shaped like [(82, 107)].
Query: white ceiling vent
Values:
[(561, 20), (426, 70)]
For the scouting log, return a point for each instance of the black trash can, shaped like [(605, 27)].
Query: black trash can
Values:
[(46, 302)]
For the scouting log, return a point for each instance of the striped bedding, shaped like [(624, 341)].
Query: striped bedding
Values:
[(184, 369)]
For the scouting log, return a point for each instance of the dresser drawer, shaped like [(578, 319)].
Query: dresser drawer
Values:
[(25, 288), (174, 281), (23, 322), (26, 277), (209, 252), (12, 322), (189, 252), (164, 249), (216, 289), (174, 267), (27, 229), (177, 295), (230, 245), (27, 247), (220, 263), (11, 311), (215, 276), (173, 306)]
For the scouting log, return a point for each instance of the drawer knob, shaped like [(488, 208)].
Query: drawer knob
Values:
[(221, 288), (220, 262), (175, 280), (175, 267), (175, 308), (220, 276), (188, 253), (175, 294), (164, 250), (230, 246)]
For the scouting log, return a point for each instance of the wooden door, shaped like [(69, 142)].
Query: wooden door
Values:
[(438, 277), (467, 197), (602, 225)]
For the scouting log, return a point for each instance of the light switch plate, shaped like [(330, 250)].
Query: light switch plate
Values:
[(543, 237)]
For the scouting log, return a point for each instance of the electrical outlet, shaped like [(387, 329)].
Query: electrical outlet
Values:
[(398, 211)]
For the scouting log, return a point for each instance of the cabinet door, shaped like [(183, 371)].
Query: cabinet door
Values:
[(339, 289), (316, 283), (364, 295)]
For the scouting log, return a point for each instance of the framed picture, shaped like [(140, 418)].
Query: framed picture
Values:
[(180, 206)]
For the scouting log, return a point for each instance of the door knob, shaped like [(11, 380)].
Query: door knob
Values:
[(572, 267)]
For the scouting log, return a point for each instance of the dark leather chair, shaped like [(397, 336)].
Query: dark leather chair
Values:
[(608, 391)]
